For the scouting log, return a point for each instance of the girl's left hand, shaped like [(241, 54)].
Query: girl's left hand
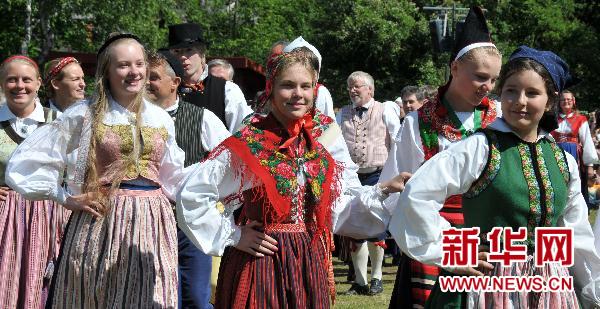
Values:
[(396, 184)]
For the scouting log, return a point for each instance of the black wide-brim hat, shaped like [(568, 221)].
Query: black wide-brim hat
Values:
[(186, 35)]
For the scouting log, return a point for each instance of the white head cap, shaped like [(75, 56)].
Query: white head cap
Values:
[(398, 100), (300, 42)]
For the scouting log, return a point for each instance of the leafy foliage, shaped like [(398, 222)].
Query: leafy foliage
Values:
[(388, 39)]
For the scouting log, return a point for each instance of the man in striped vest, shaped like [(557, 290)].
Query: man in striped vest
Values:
[(367, 126), (197, 131)]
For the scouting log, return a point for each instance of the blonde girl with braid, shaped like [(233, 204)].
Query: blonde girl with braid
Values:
[(120, 248)]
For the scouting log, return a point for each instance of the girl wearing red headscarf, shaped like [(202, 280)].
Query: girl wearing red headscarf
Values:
[(573, 135), (288, 177)]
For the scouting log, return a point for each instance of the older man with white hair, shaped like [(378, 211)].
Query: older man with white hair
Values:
[(367, 127)]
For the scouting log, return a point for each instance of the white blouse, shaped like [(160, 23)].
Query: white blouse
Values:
[(417, 224), (37, 165), (24, 126), (408, 155), (356, 210), (324, 102)]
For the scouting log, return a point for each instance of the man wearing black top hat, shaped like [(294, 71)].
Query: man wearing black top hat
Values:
[(225, 99)]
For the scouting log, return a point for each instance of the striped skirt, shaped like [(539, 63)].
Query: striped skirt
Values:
[(30, 234), (294, 277), (127, 259), (419, 278), (510, 300)]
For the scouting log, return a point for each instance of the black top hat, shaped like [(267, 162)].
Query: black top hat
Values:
[(185, 35), (474, 30)]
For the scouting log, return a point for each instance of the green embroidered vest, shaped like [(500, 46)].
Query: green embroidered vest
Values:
[(522, 185), (9, 140)]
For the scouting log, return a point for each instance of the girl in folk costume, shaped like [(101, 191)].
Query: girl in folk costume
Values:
[(31, 230), (292, 172), (64, 83), (120, 247), (460, 108), (573, 135), (510, 175)]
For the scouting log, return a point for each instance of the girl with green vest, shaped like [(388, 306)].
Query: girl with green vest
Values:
[(511, 174), (30, 231)]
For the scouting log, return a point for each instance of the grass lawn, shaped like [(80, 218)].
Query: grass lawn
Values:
[(361, 301)]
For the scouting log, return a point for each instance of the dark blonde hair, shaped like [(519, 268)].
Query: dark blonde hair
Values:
[(49, 90), (99, 107), (485, 51), (279, 63)]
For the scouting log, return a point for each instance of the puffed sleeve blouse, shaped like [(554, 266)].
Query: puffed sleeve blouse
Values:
[(358, 211), (36, 168), (417, 225)]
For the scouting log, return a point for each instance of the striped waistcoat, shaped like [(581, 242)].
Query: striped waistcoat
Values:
[(367, 137), (188, 132)]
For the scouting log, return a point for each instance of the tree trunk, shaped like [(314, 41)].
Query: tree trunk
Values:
[(47, 33), (27, 39)]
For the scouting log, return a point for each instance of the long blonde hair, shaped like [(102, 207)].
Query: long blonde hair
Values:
[(99, 107)]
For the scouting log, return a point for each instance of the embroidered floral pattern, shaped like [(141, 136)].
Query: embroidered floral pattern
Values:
[(559, 155), (285, 169), (534, 190), (434, 120), (491, 169), (151, 151), (547, 185)]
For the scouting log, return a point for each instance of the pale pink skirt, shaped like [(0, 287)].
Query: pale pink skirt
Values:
[(30, 234), (127, 259)]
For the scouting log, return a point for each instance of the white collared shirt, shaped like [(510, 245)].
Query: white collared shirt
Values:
[(236, 108), (24, 126)]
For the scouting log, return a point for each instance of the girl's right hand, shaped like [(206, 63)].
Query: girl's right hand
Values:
[(254, 242), (85, 202)]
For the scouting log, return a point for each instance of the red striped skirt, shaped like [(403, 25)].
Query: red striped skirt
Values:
[(420, 278), (30, 235), (294, 277)]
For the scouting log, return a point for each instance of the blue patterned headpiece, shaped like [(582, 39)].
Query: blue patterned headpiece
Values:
[(558, 68)]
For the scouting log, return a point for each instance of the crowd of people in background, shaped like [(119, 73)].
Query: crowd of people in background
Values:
[(165, 188)]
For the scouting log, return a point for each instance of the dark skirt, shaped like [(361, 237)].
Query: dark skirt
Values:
[(294, 277)]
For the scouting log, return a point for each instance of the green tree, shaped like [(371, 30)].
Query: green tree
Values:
[(388, 39)]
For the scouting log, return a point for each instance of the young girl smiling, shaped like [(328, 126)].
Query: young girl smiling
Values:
[(510, 175)]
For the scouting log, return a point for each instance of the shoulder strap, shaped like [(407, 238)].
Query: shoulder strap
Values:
[(5, 125), (492, 166)]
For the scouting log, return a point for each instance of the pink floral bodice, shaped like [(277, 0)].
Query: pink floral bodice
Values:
[(114, 149)]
